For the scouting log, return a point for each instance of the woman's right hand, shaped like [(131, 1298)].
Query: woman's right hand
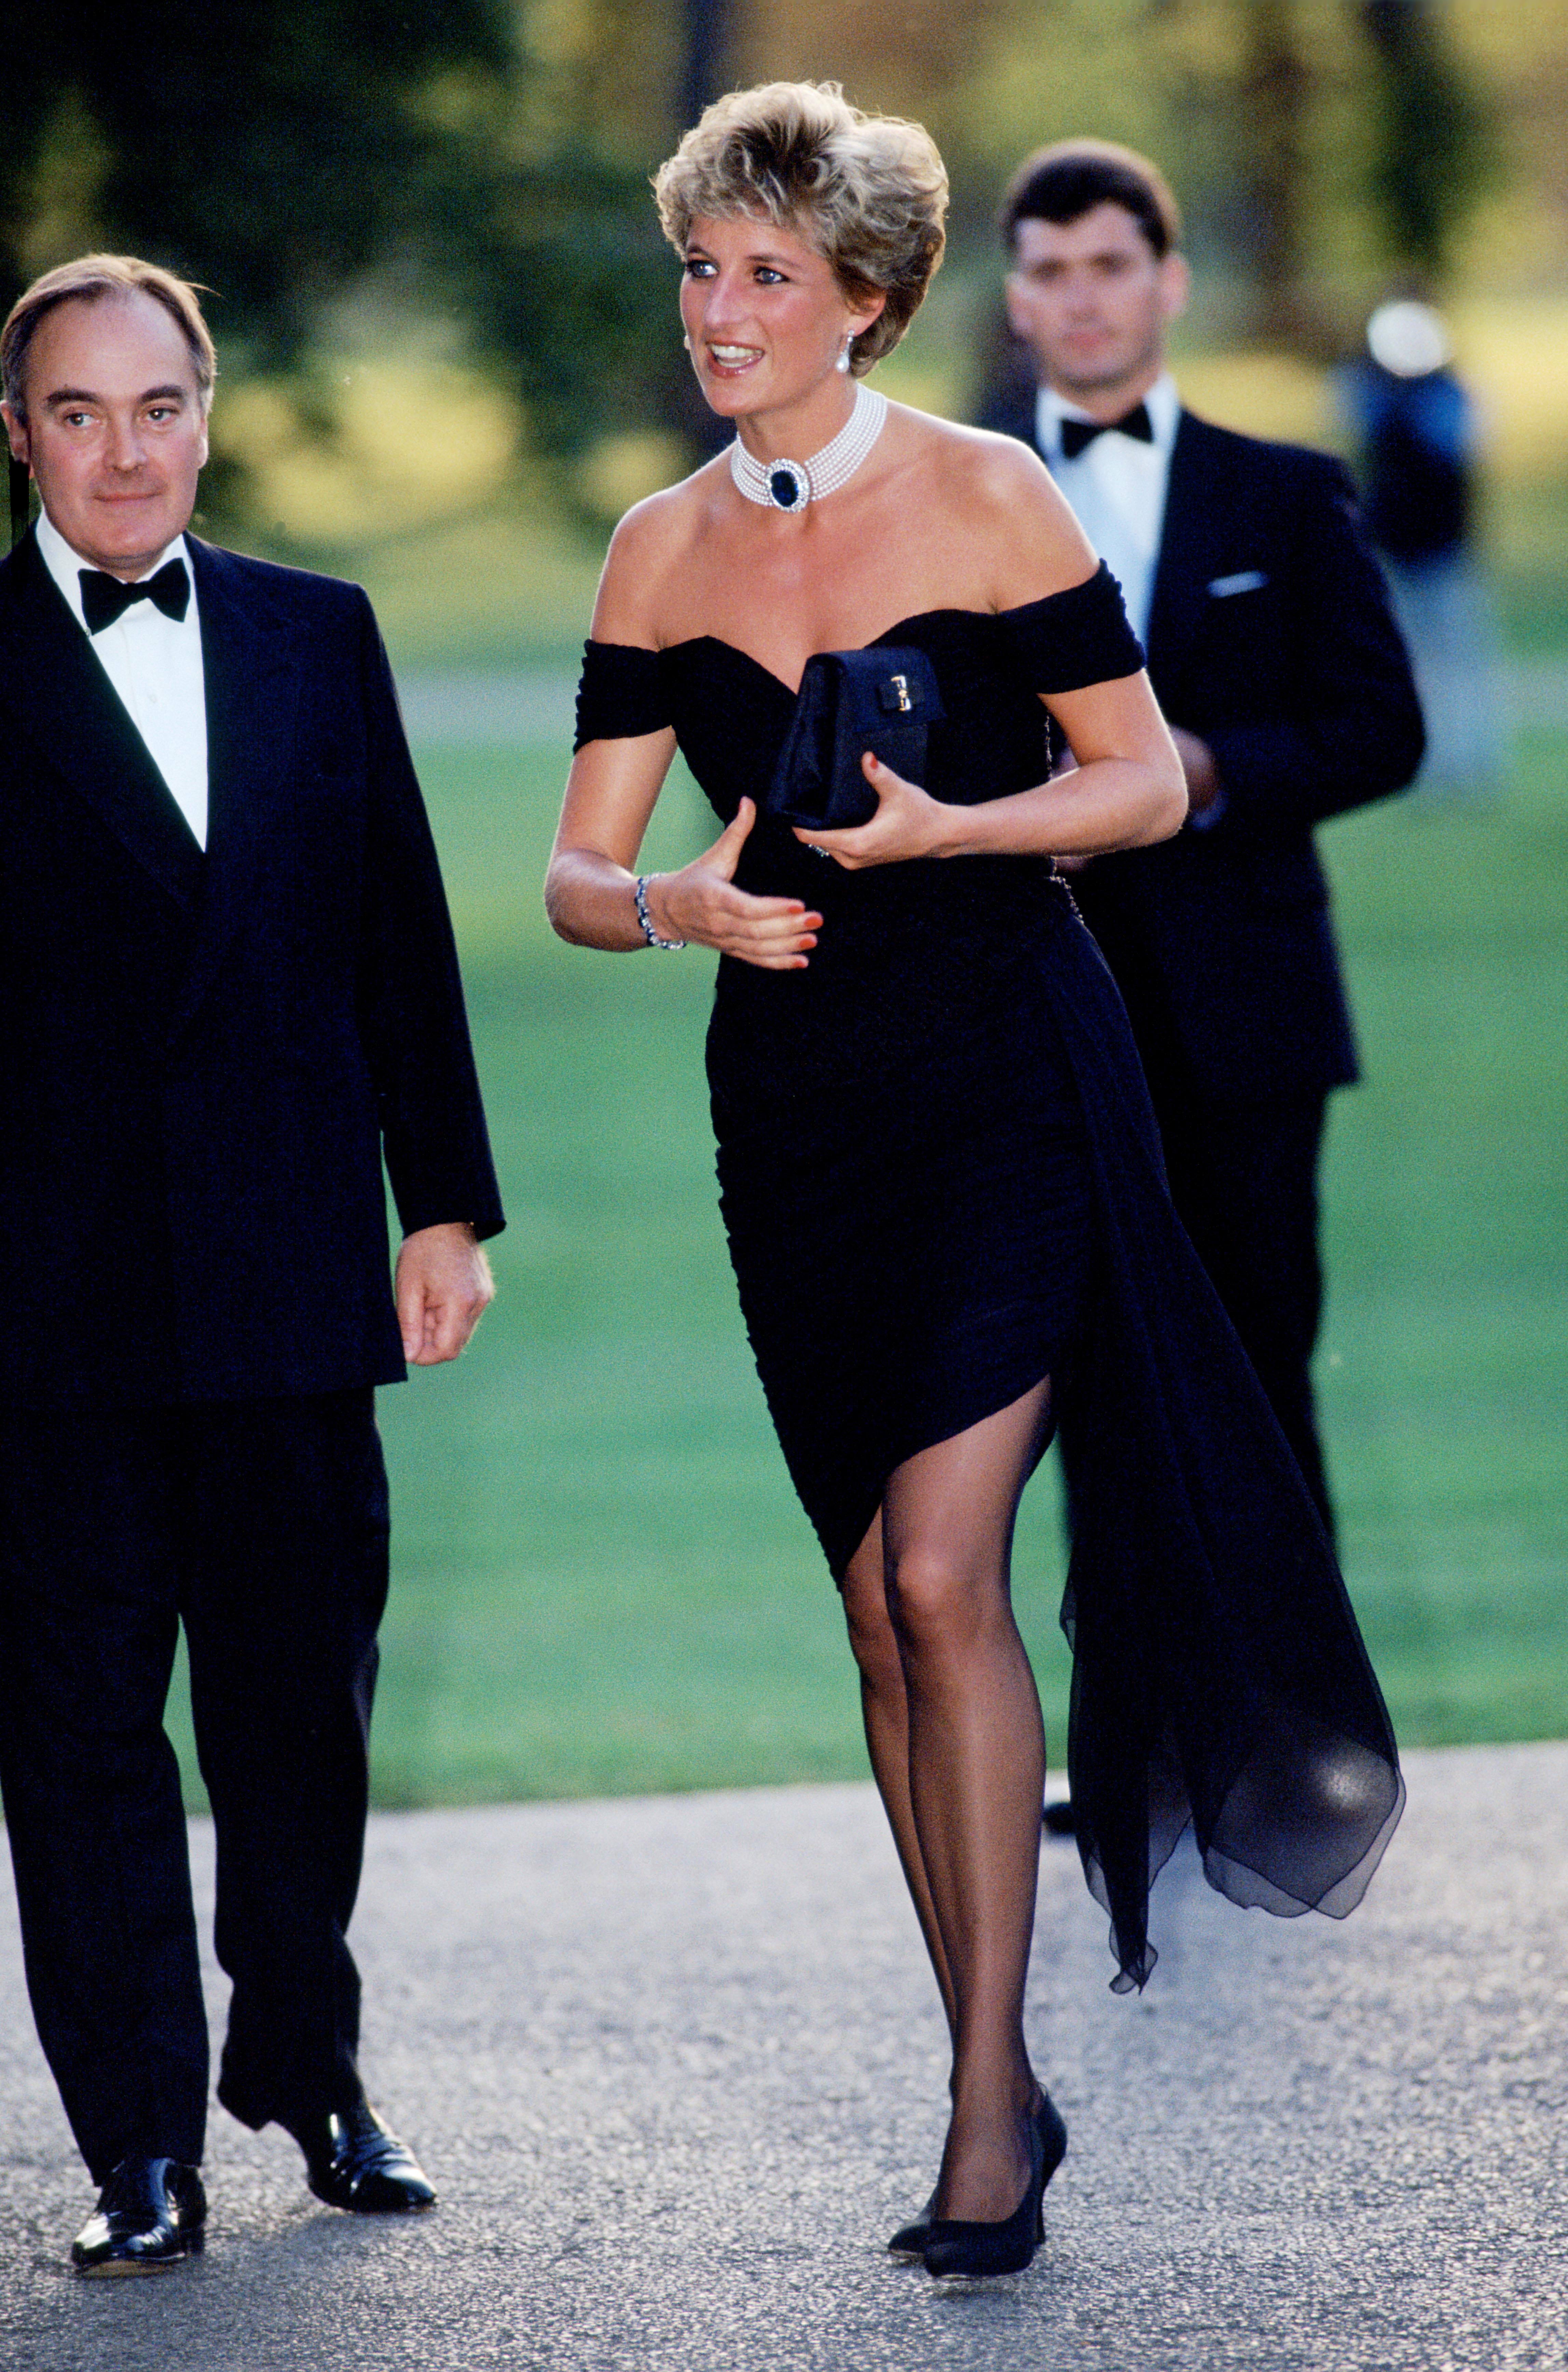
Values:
[(702, 905)]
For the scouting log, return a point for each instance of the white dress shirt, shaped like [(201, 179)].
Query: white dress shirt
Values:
[(154, 665), (1117, 488)]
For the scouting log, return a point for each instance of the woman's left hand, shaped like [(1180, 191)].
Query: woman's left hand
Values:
[(907, 822)]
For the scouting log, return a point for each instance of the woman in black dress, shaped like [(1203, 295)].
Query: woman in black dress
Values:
[(940, 1180)]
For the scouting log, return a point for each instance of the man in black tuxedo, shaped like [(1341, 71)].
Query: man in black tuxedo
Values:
[(229, 985), (1275, 658)]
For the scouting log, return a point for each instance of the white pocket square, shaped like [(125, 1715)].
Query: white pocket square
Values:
[(1245, 580)]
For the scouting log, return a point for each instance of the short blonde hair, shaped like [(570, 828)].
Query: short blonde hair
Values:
[(868, 192), (87, 280)]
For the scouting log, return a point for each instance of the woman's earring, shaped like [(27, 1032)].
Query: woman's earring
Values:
[(843, 363), (686, 344)]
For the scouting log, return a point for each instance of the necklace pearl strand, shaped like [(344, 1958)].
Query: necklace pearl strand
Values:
[(785, 486)]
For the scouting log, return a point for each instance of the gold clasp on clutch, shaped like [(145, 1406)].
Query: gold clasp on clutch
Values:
[(901, 686)]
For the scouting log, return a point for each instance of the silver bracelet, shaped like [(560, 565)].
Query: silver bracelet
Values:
[(643, 917)]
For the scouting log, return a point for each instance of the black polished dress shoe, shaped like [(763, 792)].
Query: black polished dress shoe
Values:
[(150, 2217), (957, 2248), (351, 2160)]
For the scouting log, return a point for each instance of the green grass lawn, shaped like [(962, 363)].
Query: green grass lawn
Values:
[(603, 1582)]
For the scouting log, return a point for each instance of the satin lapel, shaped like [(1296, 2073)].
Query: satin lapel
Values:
[(1195, 495), (252, 690), (61, 701)]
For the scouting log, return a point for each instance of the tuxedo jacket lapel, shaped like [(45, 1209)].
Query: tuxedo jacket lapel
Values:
[(1195, 495), (58, 698), (252, 696)]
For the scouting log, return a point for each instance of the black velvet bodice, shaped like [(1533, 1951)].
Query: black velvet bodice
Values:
[(731, 715), (993, 665)]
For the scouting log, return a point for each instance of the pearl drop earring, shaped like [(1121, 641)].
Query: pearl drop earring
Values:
[(843, 363)]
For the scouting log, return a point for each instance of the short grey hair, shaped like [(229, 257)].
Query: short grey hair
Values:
[(87, 280), (868, 192)]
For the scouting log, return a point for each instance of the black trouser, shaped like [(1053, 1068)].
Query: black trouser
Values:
[(1244, 1180), (262, 1526)]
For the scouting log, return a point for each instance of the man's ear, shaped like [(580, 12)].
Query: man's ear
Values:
[(1016, 322), (16, 430), (1176, 284)]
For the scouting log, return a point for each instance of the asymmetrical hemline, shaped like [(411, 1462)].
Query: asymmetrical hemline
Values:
[(941, 1180)]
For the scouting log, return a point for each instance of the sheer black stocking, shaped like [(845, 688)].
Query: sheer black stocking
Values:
[(883, 1704), (952, 1720)]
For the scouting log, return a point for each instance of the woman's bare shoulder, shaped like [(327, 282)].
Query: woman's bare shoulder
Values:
[(997, 498), (649, 550), (976, 461)]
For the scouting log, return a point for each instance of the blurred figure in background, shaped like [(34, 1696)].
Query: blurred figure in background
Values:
[(1418, 438), (1274, 656)]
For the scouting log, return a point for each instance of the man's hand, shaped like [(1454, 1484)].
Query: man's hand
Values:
[(444, 1286), (1198, 766)]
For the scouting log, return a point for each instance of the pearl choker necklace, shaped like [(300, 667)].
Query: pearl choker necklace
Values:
[(790, 485)]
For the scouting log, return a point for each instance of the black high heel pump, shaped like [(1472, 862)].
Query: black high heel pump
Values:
[(956, 2248), (910, 2240)]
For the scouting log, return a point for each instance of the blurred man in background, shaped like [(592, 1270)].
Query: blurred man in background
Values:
[(1418, 441), (1274, 656), (228, 982)]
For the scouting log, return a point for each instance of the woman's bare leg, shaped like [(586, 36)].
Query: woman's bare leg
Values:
[(976, 1772)]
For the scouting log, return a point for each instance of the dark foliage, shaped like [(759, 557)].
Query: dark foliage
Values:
[(569, 278), (277, 154), (1435, 142), (272, 153)]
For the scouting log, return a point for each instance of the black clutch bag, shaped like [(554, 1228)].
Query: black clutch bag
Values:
[(884, 701)]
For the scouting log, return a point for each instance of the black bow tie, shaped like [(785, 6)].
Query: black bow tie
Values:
[(1076, 434), (104, 598)]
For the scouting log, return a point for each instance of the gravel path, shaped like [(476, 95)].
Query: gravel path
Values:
[(676, 2068)]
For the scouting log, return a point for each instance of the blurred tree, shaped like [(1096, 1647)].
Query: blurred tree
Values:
[(909, 60), (276, 153), (282, 156), (705, 25), (565, 276), (1433, 145), (571, 288), (1273, 92), (1308, 138)]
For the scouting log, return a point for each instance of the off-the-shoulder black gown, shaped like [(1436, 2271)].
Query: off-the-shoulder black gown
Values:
[(942, 1180)]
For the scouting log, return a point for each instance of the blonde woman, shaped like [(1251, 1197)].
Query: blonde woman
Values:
[(940, 1180)]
